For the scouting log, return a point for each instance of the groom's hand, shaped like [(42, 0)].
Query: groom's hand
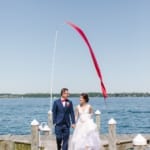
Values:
[(73, 126)]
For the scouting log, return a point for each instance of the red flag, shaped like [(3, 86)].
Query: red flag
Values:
[(93, 57)]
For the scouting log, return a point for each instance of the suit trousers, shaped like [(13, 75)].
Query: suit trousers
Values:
[(62, 132)]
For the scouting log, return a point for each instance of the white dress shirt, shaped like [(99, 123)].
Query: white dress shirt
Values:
[(63, 102)]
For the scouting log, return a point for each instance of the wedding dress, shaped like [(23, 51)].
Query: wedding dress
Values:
[(85, 136)]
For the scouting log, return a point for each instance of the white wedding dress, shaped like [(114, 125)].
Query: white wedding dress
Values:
[(85, 136)]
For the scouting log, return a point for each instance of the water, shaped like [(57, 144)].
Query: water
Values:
[(132, 114)]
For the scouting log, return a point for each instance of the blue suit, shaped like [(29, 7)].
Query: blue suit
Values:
[(63, 116)]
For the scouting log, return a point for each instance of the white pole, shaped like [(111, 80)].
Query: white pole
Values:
[(34, 135), (52, 71), (98, 119), (112, 134)]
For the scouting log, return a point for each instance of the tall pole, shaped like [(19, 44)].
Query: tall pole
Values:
[(52, 69)]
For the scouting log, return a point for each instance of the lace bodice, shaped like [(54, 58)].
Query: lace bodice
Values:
[(85, 111), (84, 114)]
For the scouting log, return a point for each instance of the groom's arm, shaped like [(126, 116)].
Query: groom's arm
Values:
[(54, 110), (72, 113)]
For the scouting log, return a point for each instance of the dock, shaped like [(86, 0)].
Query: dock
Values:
[(47, 142)]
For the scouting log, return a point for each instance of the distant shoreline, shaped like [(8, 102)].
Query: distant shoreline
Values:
[(91, 94)]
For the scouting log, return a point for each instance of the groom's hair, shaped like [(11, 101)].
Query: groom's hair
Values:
[(63, 90)]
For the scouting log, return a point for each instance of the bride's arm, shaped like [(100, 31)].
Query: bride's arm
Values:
[(91, 111), (76, 114)]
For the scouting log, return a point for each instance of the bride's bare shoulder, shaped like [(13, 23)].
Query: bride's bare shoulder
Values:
[(89, 106), (78, 106)]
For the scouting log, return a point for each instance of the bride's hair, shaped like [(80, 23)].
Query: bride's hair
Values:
[(85, 96)]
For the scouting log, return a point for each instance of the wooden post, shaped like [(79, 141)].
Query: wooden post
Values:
[(34, 135), (112, 134), (50, 121), (139, 142), (98, 119)]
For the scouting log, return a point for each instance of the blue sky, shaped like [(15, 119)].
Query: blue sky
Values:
[(119, 32)]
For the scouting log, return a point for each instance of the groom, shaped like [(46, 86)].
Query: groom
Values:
[(62, 114)]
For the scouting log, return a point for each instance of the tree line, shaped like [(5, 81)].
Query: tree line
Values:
[(91, 94)]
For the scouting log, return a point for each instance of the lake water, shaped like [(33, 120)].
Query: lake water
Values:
[(132, 114)]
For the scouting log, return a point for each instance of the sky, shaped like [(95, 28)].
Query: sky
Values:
[(118, 30)]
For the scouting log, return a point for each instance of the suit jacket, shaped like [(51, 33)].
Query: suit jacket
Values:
[(63, 114)]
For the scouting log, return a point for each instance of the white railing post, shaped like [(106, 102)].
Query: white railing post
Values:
[(112, 134), (50, 121), (98, 119), (34, 135), (139, 142)]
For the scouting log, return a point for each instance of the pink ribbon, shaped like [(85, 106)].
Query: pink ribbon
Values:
[(97, 68)]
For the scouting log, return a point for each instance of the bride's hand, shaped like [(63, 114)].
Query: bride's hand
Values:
[(73, 126)]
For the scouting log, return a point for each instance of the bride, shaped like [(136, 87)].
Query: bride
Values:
[(85, 136)]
